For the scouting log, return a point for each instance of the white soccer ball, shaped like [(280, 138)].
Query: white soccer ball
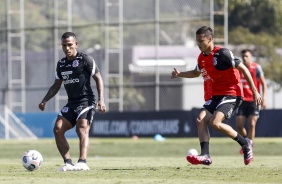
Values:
[(32, 160), (192, 151)]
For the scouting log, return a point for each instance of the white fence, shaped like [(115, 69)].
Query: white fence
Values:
[(11, 127)]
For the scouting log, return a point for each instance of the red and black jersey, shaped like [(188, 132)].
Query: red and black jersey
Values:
[(207, 90), (207, 82), (220, 68), (256, 72)]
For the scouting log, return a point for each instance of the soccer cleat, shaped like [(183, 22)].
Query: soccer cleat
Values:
[(241, 150), (199, 159), (248, 152), (66, 167), (81, 166)]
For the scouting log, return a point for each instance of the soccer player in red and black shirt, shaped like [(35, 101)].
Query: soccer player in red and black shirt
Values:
[(248, 109), (75, 71), (220, 67)]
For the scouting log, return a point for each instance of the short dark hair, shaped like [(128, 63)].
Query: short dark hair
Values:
[(67, 35), (246, 50), (205, 30)]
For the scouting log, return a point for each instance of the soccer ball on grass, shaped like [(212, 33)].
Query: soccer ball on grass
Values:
[(192, 151), (32, 160)]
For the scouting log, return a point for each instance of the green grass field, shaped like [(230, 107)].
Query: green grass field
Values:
[(144, 161)]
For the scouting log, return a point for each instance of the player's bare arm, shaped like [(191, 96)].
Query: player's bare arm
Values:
[(51, 93), (100, 88), (188, 74), (257, 97), (264, 89)]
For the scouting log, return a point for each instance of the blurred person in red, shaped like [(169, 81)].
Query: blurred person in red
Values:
[(220, 67), (248, 109)]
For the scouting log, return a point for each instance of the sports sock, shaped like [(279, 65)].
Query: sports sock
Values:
[(241, 140), (205, 148), (81, 160), (68, 160)]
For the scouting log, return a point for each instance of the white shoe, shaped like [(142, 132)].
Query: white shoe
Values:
[(66, 167), (80, 166)]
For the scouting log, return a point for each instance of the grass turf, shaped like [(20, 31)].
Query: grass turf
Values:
[(124, 160)]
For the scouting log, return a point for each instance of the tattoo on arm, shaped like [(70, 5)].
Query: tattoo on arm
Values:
[(53, 90)]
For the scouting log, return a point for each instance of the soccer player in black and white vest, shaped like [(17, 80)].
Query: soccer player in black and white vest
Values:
[(75, 71)]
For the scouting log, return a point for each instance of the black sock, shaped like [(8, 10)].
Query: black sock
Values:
[(68, 160), (82, 160), (241, 140), (205, 148)]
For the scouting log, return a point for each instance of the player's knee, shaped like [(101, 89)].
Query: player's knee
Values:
[(199, 121), (82, 130), (56, 130), (214, 124), (252, 124), (59, 130)]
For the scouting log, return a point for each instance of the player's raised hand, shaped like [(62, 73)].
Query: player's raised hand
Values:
[(175, 73)]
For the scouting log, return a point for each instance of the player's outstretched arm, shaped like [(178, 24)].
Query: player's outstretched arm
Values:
[(248, 77), (188, 74), (53, 90)]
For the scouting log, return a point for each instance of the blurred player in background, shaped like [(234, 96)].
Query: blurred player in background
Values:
[(220, 67), (248, 109), (75, 72)]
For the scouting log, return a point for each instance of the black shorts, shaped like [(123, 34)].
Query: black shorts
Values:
[(81, 110), (225, 104), (247, 109)]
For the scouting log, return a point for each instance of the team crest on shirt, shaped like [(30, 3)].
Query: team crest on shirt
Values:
[(214, 61), (75, 63)]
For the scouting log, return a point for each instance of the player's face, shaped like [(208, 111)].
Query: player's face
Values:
[(247, 58), (69, 46), (204, 42)]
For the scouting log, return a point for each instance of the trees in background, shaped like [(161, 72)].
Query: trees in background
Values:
[(258, 25)]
